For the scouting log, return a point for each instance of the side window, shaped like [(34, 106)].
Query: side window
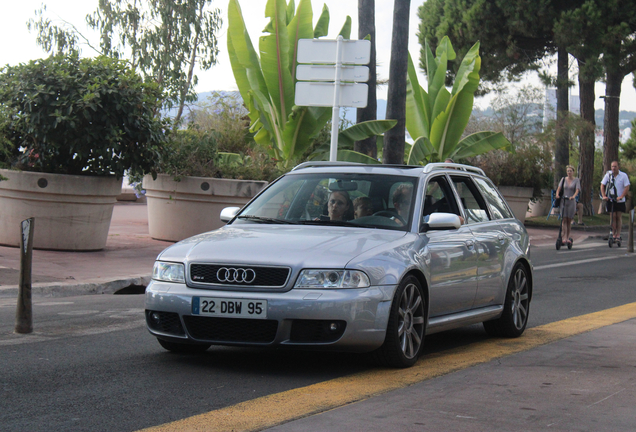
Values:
[(439, 198), (474, 204), (498, 206)]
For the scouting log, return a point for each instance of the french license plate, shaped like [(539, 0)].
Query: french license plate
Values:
[(224, 307)]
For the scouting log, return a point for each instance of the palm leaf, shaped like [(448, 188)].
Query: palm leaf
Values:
[(481, 142), (421, 152), (417, 117), (322, 26), (274, 49), (300, 27)]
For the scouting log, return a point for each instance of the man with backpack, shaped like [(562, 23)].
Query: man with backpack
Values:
[(614, 188)]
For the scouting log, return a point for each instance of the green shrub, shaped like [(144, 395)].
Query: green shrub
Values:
[(189, 152), (195, 152), (529, 166), (225, 114), (68, 115)]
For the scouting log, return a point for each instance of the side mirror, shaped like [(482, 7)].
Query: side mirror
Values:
[(441, 221), (228, 213)]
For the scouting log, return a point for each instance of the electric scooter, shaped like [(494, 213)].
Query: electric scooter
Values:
[(559, 242), (611, 240)]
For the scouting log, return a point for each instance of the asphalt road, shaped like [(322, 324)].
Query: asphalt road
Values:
[(91, 365)]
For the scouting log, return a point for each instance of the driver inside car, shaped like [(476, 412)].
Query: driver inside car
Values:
[(402, 197)]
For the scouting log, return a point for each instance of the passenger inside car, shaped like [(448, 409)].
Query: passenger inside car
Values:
[(439, 199), (362, 206), (402, 198)]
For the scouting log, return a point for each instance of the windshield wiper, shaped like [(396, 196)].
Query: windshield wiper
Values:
[(328, 222), (266, 219)]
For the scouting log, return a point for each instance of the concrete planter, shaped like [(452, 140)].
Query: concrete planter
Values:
[(71, 213), (518, 199), (178, 210), (540, 207)]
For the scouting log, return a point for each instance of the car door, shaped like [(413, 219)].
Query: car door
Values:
[(451, 253), (489, 241)]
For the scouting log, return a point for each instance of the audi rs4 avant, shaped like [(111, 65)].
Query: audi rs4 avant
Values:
[(348, 257)]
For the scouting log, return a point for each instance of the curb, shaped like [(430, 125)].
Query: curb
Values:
[(597, 228), (86, 288)]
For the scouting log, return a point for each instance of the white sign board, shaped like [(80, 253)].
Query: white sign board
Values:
[(322, 94), (324, 51), (328, 73)]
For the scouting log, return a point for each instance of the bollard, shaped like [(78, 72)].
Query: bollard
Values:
[(24, 311), (630, 238)]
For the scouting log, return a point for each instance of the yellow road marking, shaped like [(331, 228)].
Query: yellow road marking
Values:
[(268, 411)]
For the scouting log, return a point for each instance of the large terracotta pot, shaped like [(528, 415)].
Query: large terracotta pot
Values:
[(181, 209), (71, 212), (518, 199)]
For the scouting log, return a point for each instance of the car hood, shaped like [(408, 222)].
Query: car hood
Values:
[(281, 245)]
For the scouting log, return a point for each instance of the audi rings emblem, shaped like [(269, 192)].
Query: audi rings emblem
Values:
[(235, 275)]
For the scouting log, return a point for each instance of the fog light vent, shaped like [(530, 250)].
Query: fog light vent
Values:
[(317, 331)]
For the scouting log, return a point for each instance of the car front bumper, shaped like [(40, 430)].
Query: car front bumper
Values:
[(299, 317)]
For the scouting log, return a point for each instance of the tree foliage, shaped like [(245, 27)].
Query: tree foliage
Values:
[(511, 38), (68, 115), (163, 39)]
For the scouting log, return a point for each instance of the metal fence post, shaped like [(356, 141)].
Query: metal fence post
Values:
[(24, 312)]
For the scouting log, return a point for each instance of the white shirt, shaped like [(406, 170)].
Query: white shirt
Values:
[(621, 181)]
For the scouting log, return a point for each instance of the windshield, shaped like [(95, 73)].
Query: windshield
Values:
[(356, 200)]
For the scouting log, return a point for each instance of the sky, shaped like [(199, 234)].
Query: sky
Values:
[(19, 44)]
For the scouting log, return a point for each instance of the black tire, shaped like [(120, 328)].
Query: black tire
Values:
[(558, 244), (570, 244), (187, 348), (609, 242), (514, 318), (407, 325)]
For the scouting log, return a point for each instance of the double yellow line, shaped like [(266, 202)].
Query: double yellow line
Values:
[(268, 411)]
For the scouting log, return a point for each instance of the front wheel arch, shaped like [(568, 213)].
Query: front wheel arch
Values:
[(406, 325)]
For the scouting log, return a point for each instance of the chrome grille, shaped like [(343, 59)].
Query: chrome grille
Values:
[(262, 276)]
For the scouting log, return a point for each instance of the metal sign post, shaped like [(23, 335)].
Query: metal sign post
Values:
[(333, 61), (335, 114)]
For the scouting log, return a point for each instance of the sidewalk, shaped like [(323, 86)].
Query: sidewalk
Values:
[(127, 259), (580, 383)]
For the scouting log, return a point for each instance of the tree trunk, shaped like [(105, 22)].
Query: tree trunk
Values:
[(586, 137), (613, 83), (366, 26), (562, 150), (393, 151)]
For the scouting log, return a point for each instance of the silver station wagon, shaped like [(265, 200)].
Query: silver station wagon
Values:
[(349, 257)]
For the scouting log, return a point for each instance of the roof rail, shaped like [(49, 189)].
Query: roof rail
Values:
[(316, 164), (460, 167)]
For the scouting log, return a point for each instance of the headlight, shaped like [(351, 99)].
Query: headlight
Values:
[(168, 272), (332, 279)]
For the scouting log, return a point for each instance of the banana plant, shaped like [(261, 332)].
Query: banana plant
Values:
[(266, 80), (437, 118), (357, 132)]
